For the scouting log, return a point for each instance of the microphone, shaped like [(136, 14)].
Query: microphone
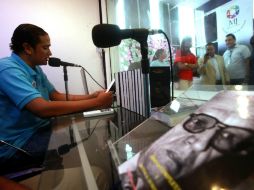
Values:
[(65, 148), (56, 62), (108, 35)]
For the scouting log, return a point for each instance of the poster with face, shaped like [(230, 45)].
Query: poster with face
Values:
[(212, 147)]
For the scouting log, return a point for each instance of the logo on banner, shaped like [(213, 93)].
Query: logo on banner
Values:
[(234, 22), (233, 11)]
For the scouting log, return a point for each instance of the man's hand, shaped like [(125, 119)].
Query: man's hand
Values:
[(206, 57), (105, 99)]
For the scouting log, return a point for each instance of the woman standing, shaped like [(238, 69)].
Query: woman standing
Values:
[(186, 63)]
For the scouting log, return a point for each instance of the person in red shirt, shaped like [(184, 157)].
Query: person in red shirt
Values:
[(186, 63)]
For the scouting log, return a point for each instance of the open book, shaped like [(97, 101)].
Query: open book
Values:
[(213, 148)]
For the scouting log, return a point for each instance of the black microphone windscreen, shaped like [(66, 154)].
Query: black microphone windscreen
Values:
[(63, 149), (54, 62), (106, 35)]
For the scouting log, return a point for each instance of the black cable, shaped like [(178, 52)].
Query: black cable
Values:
[(171, 65), (91, 133), (65, 148), (92, 77)]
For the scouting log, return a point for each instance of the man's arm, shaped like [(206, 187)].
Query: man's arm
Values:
[(6, 184), (187, 66), (183, 66), (44, 108), (224, 70), (201, 66), (192, 66), (179, 61), (57, 96), (247, 70), (246, 55)]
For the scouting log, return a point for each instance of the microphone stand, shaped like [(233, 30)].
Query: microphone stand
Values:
[(66, 82), (145, 70), (67, 98)]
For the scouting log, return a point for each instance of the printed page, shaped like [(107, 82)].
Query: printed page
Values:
[(213, 145)]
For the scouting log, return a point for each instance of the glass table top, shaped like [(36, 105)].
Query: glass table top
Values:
[(78, 155), (83, 149), (164, 118)]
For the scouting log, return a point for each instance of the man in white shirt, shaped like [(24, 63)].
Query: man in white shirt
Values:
[(236, 58)]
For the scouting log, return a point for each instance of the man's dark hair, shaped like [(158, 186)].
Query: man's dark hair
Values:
[(210, 44), (231, 35), (25, 33)]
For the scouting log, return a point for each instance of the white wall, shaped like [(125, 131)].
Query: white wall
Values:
[(69, 24)]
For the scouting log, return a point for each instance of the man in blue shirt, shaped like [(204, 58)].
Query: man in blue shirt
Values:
[(28, 99)]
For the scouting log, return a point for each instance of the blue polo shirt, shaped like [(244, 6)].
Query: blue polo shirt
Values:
[(19, 84)]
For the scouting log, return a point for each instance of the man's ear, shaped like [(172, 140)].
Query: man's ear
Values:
[(27, 48)]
